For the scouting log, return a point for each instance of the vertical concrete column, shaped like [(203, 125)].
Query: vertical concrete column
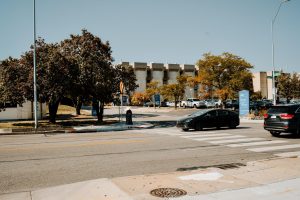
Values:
[(140, 70), (260, 83), (173, 72), (157, 70), (189, 70)]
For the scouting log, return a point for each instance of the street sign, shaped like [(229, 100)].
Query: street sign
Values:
[(121, 87), (244, 102)]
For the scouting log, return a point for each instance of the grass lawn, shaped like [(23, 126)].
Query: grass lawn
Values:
[(66, 117)]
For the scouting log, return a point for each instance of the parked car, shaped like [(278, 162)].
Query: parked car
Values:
[(209, 118), (193, 103), (232, 104), (210, 103), (283, 118)]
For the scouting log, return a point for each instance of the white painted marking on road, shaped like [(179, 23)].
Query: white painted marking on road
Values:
[(274, 148), (206, 135), (210, 176), (289, 154), (256, 143), (236, 140), (217, 138), (199, 133)]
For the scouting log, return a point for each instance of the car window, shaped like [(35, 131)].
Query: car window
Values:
[(198, 113), (282, 109), (222, 112), (213, 113)]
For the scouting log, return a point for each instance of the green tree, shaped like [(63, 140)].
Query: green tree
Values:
[(97, 80), (139, 98), (175, 91), (256, 95), (12, 79), (125, 73), (54, 75), (151, 90), (224, 75), (288, 85)]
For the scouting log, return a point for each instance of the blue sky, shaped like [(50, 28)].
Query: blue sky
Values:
[(168, 31)]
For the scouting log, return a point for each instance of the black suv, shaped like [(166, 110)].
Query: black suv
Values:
[(283, 118)]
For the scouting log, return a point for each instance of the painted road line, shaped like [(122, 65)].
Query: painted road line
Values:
[(206, 135), (289, 154), (274, 148), (256, 143), (236, 140), (198, 133), (218, 138)]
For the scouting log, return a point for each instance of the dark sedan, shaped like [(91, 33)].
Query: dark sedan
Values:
[(283, 118), (209, 118)]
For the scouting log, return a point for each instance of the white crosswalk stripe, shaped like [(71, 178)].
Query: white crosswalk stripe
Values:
[(289, 154), (236, 140), (219, 138), (274, 148), (230, 139), (205, 135), (256, 143)]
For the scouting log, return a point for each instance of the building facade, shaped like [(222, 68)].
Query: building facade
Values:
[(162, 73)]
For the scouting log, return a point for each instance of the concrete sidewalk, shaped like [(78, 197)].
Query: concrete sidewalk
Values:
[(266, 179)]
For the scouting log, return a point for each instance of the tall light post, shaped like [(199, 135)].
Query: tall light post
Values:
[(273, 62), (34, 70)]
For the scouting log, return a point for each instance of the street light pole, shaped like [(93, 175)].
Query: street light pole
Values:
[(273, 53), (34, 70)]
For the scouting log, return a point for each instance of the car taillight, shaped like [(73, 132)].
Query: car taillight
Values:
[(286, 116), (266, 116)]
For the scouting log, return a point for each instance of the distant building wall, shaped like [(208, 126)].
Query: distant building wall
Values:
[(173, 71), (189, 70), (24, 112), (260, 83), (157, 70), (140, 70)]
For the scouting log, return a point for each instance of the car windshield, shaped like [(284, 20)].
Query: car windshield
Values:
[(279, 109)]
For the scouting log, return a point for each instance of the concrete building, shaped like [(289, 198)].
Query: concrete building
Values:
[(260, 84), (162, 73)]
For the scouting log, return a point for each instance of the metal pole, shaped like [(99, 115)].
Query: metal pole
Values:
[(34, 70), (121, 106), (273, 52)]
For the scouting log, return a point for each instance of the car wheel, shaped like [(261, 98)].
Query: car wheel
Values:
[(232, 125), (185, 129), (198, 127), (195, 106), (298, 131), (275, 133), (184, 106)]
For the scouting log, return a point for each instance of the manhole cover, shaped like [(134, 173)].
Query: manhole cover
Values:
[(168, 192)]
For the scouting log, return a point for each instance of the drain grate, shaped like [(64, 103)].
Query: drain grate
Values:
[(168, 192), (221, 166)]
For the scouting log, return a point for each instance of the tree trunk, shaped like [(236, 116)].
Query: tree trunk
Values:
[(78, 105), (53, 107), (101, 111)]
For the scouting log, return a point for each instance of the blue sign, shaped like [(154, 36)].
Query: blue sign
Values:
[(244, 102)]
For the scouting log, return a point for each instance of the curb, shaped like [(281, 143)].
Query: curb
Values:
[(115, 127)]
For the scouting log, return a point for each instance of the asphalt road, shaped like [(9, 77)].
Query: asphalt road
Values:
[(30, 162)]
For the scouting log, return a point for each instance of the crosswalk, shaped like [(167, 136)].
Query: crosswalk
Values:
[(231, 138)]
